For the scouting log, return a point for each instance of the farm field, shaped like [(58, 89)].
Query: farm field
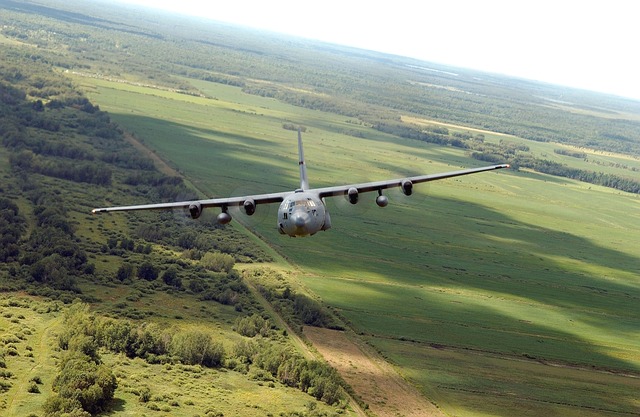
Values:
[(506, 293)]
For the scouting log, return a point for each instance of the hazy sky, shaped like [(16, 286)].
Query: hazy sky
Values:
[(590, 44)]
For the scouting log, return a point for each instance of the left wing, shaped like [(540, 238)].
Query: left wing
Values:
[(405, 183)]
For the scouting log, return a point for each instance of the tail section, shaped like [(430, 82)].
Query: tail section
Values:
[(304, 181)]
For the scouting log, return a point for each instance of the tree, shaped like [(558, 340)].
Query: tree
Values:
[(124, 272), (197, 348), (170, 277), (83, 380), (147, 271), (253, 325)]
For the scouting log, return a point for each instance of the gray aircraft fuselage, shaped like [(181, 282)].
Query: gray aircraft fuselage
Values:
[(302, 213)]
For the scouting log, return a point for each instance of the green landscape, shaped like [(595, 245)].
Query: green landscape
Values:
[(497, 294)]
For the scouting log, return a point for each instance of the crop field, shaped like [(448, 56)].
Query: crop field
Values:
[(503, 293)]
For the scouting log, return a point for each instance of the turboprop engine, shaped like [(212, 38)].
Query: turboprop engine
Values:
[(195, 210), (352, 194), (407, 187), (249, 207)]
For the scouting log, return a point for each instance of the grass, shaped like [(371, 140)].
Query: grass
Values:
[(515, 273), (192, 390), (476, 384), (29, 326)]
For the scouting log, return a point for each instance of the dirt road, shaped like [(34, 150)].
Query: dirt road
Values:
[(370, 376)]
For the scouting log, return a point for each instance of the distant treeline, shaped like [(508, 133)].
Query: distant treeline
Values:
[(560, 170), (505, 152), (360, 84)]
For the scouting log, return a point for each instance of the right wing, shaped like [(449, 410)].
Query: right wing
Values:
[(200, 204)]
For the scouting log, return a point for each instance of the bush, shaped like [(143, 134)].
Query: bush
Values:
[(90, 384), (253, 325), (147, 271), (197, 348), (216, 261), (145, 395)]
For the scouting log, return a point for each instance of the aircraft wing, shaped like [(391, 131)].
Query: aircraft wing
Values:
[(381, 185), (214, 202)]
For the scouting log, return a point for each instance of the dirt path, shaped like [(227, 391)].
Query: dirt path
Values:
[(370, 376)]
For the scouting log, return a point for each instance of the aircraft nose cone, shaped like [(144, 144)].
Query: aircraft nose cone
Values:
[(299, 221)]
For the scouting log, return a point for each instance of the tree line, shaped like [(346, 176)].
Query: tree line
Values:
[(504, 152)]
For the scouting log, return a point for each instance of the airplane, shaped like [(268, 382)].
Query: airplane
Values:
[(302, 212)]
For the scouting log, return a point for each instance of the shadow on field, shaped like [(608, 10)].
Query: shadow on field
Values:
[(117, 406)]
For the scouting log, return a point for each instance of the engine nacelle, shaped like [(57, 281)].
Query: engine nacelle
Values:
[(352, 193), (195, 210), (249, 207), (223, 218), (407, 187)]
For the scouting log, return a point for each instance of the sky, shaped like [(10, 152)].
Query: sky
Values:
[(589, 44)]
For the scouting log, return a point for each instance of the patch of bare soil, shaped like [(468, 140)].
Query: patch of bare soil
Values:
[(371, 377)]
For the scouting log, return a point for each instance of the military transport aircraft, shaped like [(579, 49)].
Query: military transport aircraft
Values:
[(302, 212)]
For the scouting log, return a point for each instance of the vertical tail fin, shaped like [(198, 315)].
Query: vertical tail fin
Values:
[(304, 181)]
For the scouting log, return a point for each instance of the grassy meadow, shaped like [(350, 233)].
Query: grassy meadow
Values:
[(28, 330), (502, 293)]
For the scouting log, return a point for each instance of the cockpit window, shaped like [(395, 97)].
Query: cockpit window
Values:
[(305, 203)]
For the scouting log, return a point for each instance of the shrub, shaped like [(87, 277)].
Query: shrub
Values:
[(253, 325), (216, 261), (90, 384), (197, 348), (145, 395), (147, 271)]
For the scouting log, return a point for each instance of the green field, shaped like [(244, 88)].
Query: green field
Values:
[(507, 293)]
